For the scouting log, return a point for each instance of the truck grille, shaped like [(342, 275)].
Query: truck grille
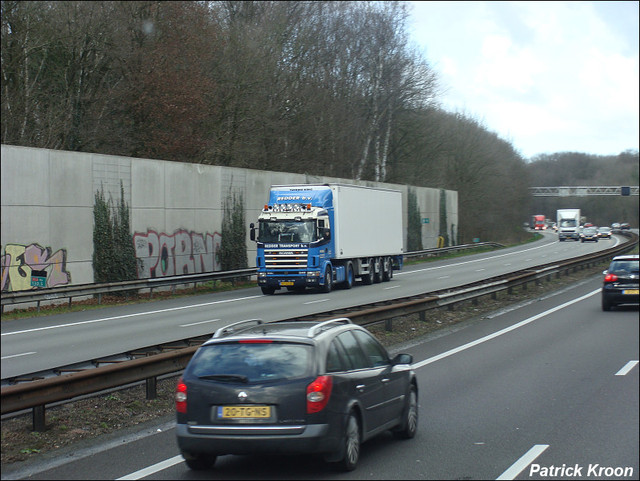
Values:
[(285, 258)]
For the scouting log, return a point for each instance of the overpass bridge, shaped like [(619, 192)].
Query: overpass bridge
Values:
[(583, 191)]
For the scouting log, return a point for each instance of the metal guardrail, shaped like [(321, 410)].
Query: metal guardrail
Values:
[(37, 394), (54, 293)]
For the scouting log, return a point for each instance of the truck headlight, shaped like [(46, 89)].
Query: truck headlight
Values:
[(313, 273), (262, 274)]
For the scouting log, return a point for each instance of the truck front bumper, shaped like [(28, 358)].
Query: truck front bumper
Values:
[(289, 281)]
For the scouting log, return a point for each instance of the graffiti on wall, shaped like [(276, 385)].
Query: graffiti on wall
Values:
[(182, 252), (18, 261)]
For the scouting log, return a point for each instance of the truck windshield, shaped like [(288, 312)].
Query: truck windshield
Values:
[(287, 231), (568, 223)]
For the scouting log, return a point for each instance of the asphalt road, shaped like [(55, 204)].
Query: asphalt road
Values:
[(38, 344), (550, 385)]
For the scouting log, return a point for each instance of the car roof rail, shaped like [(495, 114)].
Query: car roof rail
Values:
[(231, 328), (318, 328)]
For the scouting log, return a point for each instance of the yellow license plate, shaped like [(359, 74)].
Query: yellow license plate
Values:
[(631, 291), (286, 283), (244, 412)]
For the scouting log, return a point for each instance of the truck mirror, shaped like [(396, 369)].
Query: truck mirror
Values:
[(252, 231), (326, 234)]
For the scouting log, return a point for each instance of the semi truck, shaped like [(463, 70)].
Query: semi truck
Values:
[(568, 222), (323, 236)]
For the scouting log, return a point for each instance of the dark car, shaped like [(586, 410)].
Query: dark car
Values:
[(293, 387), (604, 232), (625, 226), (589, 234), (621, 282)]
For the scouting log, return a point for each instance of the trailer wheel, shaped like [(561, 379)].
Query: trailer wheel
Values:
[(387, 271), (367, 279), (377, 272)]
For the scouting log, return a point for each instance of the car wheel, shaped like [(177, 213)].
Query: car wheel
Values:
[(198, 462), (268, 290), (409, 425), (350, 445), (606, 304)]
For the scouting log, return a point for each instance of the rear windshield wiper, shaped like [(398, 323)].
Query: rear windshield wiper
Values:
[(226, 377)]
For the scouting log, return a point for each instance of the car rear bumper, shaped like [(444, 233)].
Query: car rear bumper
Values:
[(313, 438), (616, 296)]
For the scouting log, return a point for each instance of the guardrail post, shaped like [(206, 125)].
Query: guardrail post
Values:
[(388, 325), (423, 316), (152, 387), (38, 417)]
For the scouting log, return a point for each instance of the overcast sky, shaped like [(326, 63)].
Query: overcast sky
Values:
[(545, 76)]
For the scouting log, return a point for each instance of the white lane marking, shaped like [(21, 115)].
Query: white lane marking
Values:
[(443, 277), (391, 287), (517, 467), (626, 368), (502, 331), (18, 355), (130, 315), (196, 323), (315, 302), (469, 262), (142, 473)]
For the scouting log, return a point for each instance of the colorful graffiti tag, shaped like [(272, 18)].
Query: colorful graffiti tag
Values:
[(18, 261), (182, 252)]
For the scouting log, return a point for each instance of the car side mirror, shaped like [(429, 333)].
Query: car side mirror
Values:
[(402, 359), (605, 272)]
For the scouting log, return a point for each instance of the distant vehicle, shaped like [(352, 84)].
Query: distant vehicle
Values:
[(625, 226), (538, 222), (589, 234), (604, 232), (615, 228), (568, 221), (293, 388), (621, 282)]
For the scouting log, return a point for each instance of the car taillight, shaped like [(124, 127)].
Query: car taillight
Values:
[(610, 278), (318, 394), (181, 397)]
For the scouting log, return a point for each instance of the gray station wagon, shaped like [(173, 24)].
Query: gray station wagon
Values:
[(293, 388)]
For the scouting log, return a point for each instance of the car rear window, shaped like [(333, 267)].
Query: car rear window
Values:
[(629, 266), (255, 362)]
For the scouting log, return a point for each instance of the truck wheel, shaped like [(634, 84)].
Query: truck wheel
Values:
[(348, 283), (268, 290), (328, 281), (367, 279), (387, 271), (377, 273)]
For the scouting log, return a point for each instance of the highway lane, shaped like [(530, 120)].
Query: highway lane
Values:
[(552, 383), (31, 345)]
